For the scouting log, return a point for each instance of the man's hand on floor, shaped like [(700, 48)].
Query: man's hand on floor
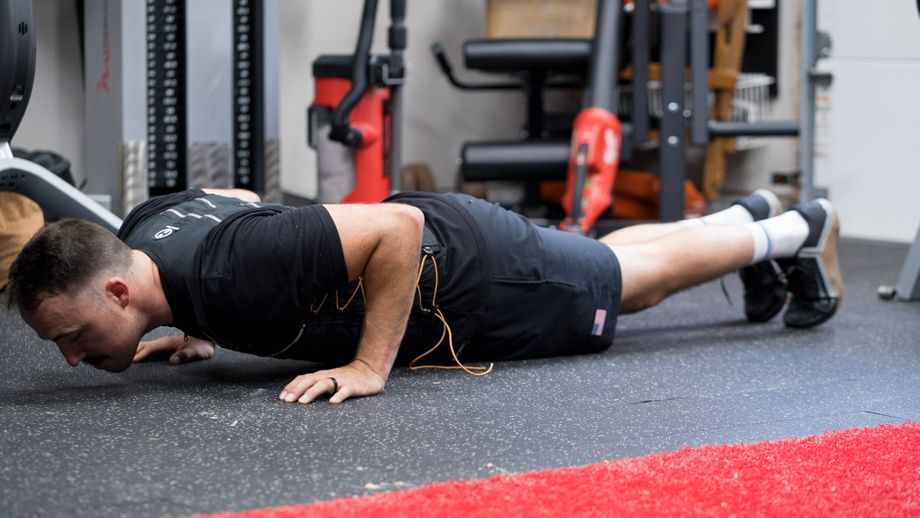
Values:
[(175, 348), (353, 380)]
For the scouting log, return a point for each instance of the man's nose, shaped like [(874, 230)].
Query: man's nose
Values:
[(72, 355)]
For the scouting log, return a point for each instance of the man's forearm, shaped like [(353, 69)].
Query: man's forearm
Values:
[(389, 280), (382, 244)]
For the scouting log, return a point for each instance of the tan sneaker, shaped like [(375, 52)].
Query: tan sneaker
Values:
[(813, 276)]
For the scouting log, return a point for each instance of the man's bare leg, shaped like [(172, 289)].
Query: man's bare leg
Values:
[(677, 260), (733, 215), (806, 238), (638, 234)]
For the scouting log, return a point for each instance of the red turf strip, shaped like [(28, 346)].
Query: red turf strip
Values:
[(858, 472)]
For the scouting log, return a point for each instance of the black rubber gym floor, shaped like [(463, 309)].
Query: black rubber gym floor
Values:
[(213, 436)]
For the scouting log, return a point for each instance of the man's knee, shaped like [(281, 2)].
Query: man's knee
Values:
[(644, 279)]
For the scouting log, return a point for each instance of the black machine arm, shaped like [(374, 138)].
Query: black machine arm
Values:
[(341, 130), (397, 34), (437, 50), (17, 63)]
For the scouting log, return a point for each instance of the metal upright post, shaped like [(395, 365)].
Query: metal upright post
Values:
[(249, 95), (603, 86), (116, 92), (673, 61), (167, 124), (397, 42), (908, 287), (699, 65), (808, 50), (641, 36)]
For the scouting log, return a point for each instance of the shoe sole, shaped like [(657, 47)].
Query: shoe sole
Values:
[(829, 261)]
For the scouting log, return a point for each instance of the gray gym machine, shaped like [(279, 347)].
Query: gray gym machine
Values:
[(682, 25), (908, 286), (181, 94), (57, 198)]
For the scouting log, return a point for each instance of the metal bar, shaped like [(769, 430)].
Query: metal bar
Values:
[(167, 119), (753, 129), (396, 132), (397, 42), (604, 67), (809, 24), (673, 60), (699, 65), (581, 174), (908, 287), (534, 122), (641, 37), (249, 95)]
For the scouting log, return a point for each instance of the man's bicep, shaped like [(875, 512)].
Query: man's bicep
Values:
[(362, 227)]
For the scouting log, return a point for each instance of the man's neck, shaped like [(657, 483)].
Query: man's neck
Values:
[(152, 301)]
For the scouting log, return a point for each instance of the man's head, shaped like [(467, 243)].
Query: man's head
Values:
[(72, 283)]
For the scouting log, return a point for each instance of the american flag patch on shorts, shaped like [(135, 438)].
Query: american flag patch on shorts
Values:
[(600, 316)]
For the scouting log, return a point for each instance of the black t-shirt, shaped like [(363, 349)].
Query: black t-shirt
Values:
[(238, 273), (271, 280)]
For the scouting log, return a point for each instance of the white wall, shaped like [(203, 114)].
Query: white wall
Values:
[(868, 134), (54, 118), (438, 118)]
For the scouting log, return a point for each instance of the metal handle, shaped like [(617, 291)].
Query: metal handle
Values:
[(341, 129), (581, 175), (311, 124), (437, 50)]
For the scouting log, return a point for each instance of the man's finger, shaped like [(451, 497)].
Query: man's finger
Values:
[(295, 389), (141, 353), (192, 353), (144, 351), (343, 394), (323, 386), (149, 348)]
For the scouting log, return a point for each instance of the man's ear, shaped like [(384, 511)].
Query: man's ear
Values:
[(117, 288)]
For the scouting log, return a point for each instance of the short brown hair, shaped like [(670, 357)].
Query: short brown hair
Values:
[(63, 257)]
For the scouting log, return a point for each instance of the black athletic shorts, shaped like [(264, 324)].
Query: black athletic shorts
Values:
[(550, 293)]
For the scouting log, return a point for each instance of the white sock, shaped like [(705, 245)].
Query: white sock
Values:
[(736, 214), (778, 237), (732, 215)]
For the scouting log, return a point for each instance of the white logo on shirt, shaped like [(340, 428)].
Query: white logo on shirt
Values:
[(166, 232)]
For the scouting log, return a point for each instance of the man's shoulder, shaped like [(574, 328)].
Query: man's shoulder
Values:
[(152, 207)]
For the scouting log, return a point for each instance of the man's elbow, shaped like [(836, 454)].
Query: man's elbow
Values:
[(242, 194), (247, 195), (409, 221)]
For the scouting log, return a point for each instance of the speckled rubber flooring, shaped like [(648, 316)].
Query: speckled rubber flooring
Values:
[(159, 440)]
